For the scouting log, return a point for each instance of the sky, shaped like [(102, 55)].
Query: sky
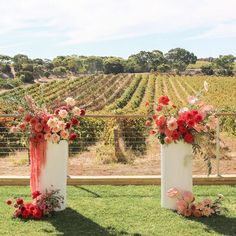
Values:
[(48, 28)]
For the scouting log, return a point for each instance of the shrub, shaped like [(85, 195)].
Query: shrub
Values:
[(207, 69)]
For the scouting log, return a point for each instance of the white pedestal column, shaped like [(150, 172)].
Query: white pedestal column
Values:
[(176, 170), (54, 173)]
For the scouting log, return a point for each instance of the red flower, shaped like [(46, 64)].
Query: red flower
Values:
[(147, 104), (47, 129), (33, 121), (198, 118), (175, 135), (154, 117), (19, 201), (8, 201), (159, 108), (74, 121), (82, 112), (148, 123), (180, 122), (188, 116), (35, 194), (164, 100), (37, 214), (26, 214), (17, 213), (161, 120), (39, 136), (190, 123), (182, 129), (188, 138), (194, 112), (38, 127), (27, 118), (152, 132), (174, 106), (67, 125), (72, 136)]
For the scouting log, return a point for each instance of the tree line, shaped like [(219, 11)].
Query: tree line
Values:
[(26, 70)]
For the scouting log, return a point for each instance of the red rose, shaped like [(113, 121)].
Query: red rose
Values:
[(198, 118), (148, 123), (194, 112), (35, 194), (47, 129), (154, 117), (39, 136), (8, 201), (159, 108), (182, 129), (38, 127), (27, 118), (175, 135), (82, 112), (67, 125), (164, 100), (19, 201), (33, 121), (37, 214), (17, 213), (180, 122), (188, 138), (74, 121), (190, 123), (72, 136), (188, 116), (26, 214)]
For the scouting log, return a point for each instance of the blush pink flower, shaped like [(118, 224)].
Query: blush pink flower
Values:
[(188, 196), (207, 201), (48, 136), (70, 101), (38, 127), (14, 129), (207, 211), (52, 122), (76, 111), (63, 113), (168, 140), (21, 109), (212, 122), (192, 100), (181, 205), (172, 192), (172, 124), (55, 138), (64, 134)]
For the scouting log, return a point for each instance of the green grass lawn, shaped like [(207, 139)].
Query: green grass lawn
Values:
[(119, 210)]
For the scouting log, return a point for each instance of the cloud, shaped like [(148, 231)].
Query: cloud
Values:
[(80, 21)]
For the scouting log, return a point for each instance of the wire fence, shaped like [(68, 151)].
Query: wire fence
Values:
[(133, 153)]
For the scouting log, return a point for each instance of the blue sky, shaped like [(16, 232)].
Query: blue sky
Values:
[(47, 28)]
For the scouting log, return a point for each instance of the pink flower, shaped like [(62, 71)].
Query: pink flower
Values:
[(197, 213), (21, 109), (183, 110), (56, 129), (22, 126), (188, 196), (172, 192), (70, 101), (76, 111), (168, 140), (52, 122), (64, 134), (14, 129), (48, 136), (55, 138), (199, 205), (192, 100), (172, 124), (38, 127), (187, 212), (207, 211), (212, 122), (207, 201), (181, 205), (63, 113)]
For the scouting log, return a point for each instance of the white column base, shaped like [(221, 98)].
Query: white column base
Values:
[(54, 173), (176, 170)]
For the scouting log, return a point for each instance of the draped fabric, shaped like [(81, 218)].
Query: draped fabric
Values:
[(37, 161)]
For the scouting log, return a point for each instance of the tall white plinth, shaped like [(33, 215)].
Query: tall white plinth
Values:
[(54, 172), (176, 170)]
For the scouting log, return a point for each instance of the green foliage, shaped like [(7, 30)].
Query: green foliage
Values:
[(163, 68), (26, 76), (9, 83), (225, 64), (207, 69), (5, 68), (113, 65), (59, 71)]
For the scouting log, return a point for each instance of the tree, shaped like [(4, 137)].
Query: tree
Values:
[(73, 64), (114, 65), (207, 69), (225, 64), (179, 58), (59, 71), (26, 76), (164, 68), (93, 64)]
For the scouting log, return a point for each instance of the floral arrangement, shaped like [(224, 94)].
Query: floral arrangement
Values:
[(192, 124), (42, 125), (186, 206), (42, 205)]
